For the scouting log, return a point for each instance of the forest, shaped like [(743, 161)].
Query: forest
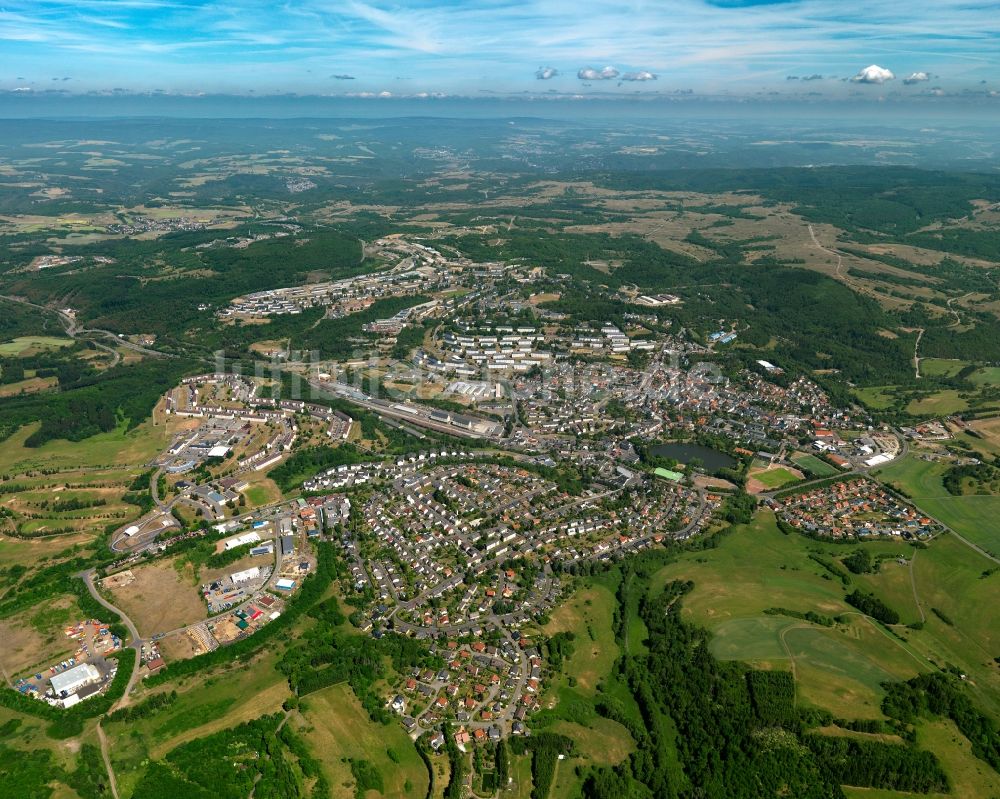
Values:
[(130, 295), (90, 402)]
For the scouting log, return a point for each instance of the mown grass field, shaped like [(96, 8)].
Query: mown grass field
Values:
[(876, 397), (99, 468), (986, 376), (941, 367), (585, 677), (261, 491), (587, 614), (119, 448), (775, 478), (937, 404), (842, 668), (32, 551)]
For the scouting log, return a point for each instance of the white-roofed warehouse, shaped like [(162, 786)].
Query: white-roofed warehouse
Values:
[(72, 680), (247, 574)]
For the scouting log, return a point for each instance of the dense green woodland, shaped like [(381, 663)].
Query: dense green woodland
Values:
[(18, 320), (92, 402)]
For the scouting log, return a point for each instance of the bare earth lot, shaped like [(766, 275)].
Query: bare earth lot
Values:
[(24, 647), (160, 599)]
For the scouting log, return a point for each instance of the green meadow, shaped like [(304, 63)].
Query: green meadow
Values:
[(29, 345), (973, 516), (841, 667)]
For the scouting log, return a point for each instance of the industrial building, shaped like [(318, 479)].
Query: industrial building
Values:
[(240, 540), (246, 575), (72, 680)]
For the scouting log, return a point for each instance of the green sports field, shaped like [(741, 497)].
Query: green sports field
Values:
[(813, 465), (775, 478)]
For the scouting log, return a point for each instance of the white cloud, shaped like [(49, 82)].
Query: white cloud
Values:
[(873, 74), (641, 75), (916, 77), (546, 73), (588, 73)]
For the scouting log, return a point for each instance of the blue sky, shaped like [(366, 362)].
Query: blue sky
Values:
[(412, 48)]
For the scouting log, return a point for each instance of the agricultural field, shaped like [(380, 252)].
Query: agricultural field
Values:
[(30, 385), (338, 728), (983, 435)]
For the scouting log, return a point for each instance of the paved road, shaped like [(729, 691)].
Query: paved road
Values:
[(88, 578), (154, 489), (73, 330)]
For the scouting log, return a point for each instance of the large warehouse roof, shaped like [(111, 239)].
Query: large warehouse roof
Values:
[(75, 678)]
